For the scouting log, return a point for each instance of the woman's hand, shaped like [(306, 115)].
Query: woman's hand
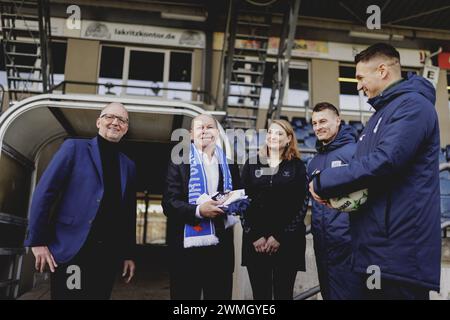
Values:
[(272, 245), (260, 245)]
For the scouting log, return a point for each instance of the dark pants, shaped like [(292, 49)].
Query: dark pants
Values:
[(267, 281), (95, 265), (191, 285), (397, 290)]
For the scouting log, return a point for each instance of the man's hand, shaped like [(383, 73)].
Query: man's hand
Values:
[(43, 257), (272, 245), (210, 210), (128, 268), (260, 245), (316, 196)]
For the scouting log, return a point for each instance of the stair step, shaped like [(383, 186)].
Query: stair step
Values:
[(244, 127), (251, 49), (251, 96), (252, 118), (8, 41), (254, 12), (238, 59), (245, 84), (247, 72), (253, 24), (21, 54), (20, 30), (20, 16), (243, 106), (24, 91), (19, 4), (16, 66), (249, 36), (18, 79)]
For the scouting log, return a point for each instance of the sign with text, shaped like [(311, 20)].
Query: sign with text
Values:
[(142, 34)]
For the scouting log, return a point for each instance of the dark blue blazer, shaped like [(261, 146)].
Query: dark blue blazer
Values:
[(73, 185)]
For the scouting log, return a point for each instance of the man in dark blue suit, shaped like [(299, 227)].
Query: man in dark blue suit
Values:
[(83, 212)]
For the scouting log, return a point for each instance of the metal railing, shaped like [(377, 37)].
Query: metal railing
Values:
[(203, 96), (2, 98), (311, 291)]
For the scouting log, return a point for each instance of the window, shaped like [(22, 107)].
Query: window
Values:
[(58, 51), (111, 69), (146, 69), (349, 97), (180, 75), (148, 72), (156, 221), (298, 84)]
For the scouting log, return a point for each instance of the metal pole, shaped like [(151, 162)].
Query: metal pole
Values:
[(43, 46), (230, 53), (293, 17), (146, 200)]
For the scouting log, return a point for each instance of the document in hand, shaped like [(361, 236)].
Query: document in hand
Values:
[(236, 202)]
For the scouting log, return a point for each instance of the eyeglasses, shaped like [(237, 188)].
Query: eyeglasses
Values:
[(111, 117)]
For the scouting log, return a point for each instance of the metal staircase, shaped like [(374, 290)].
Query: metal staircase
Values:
[(26, 45), (248, 42), (283, 59)]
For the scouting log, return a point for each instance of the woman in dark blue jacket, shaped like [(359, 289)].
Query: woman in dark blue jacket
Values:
[(274, 232)]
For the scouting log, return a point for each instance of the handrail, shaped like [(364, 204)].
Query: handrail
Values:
[(11, 251), (6, 218), (2, 99), (444, 166), (110, 85), (308, 293)]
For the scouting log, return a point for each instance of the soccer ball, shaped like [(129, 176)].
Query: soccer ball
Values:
[(350, 202)]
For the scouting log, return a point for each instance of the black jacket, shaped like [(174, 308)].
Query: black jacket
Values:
[(179, 212), (277, 209)]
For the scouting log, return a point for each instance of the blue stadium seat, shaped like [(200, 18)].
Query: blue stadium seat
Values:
[(357, 125), (306, 158), (298, 122), (444, 174), (442, 156), (301, 134), (309, 128), (310, 142), (445, 197)]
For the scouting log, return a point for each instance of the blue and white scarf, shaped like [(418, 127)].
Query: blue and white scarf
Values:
[(203, 234)]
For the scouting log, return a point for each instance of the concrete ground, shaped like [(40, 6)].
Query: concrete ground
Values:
[(152, 279)]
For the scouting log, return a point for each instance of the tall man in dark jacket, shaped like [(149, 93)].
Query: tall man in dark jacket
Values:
[(396, 235), (92, 231), (336, 145), (201, 250)]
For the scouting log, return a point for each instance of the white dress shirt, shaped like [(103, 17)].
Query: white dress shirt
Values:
[(211, 167)]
